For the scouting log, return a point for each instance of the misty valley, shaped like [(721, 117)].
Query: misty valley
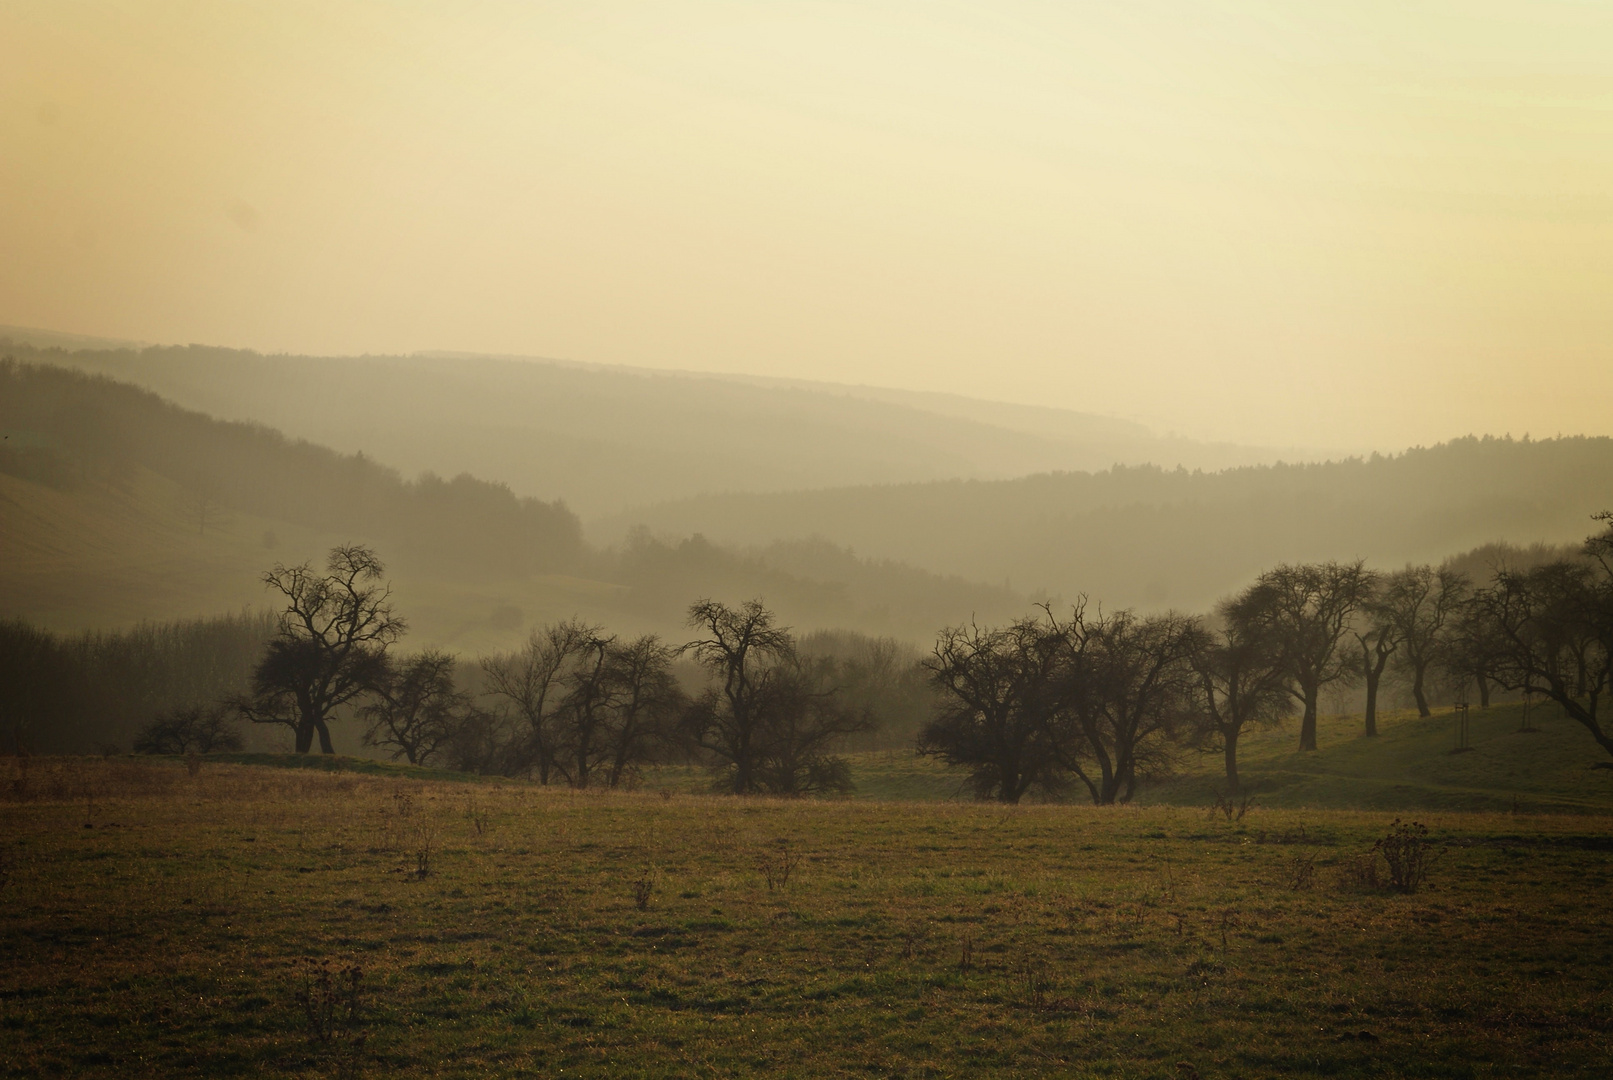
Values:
[(769, 766)]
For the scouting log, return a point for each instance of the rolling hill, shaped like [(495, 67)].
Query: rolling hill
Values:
[(604, 439), (1152, 538), (117, 506)]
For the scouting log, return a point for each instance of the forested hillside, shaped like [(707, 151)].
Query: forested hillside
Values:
[(117, 506), (604, 439), (1153, 538)]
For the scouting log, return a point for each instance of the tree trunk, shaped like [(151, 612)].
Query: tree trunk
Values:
[(1372, 700), (324, 737), (1232, 760), (1484, 691), (1307, 724), (305, 736), (1417, 691)]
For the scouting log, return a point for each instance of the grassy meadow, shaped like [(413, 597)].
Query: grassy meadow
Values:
[(164, 918)]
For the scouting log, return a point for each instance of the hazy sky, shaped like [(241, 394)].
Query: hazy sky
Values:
[(1362, 224)]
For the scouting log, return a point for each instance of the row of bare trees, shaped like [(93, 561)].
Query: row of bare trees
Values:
[(1094, 701), (574, 705), (1098, 701)]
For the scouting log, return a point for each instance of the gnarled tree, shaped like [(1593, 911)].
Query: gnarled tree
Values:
[(1422, 605), (1241, 684), (417, 710), (1552, 632), (767, 721), (533, 687), (999, 693), (1125, 694), (1307, 609), (330, 645)]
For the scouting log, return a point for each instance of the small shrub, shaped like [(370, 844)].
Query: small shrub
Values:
[(1301, 872), (1035, 980), (196, 730), (777, 863), (1360, 873), (1409, 854), (423, 843), (1231, 806), (333, 1011), (644, 888), (1229, 922)]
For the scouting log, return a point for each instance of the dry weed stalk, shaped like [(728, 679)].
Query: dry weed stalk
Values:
[(777, 863)]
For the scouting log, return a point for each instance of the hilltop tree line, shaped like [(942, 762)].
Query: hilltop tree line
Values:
[(1100, 701)]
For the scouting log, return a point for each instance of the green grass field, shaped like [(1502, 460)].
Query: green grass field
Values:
[(158, 923)]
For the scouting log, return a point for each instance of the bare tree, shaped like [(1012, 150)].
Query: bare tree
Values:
[(998, 696), (1421, 604), (417, 709), (1126, 690), (530, 682), (1379, 639), (1241, 680), (1552, 628), (1308, 608), (330, 646), (766, 720), (195, 730), (585, 708), (648, 703)]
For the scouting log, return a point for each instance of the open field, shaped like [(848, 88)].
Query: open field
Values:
[(159, 923)]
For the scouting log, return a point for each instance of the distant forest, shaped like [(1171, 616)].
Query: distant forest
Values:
[(465, 541), (1156, 538), (607, 439), (64, 429)]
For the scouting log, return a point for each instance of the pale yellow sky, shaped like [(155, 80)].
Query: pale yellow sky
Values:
[(1364, 224)]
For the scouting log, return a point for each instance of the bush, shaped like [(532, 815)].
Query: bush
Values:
[(1409, 854), (195, 730)]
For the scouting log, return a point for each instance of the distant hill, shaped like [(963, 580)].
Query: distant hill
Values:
[(118, 506), (604, 439), (1153, 538)]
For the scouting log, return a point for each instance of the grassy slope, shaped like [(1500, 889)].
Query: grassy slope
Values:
[(165, 927), (1411, 765), (1408, 766)]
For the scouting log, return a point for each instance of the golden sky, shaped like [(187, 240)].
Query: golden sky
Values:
[(1358, 224)]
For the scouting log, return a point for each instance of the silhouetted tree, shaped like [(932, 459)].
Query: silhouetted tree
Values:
[(1241, 682), (417, 709), (1421, 604), (330, 646), (646, 705), (196, 730), (1125, 694), (1552, 628), (1473, 647), (768, 722), (1378, 637), (1308, 609), (531, 683), (998, 691)]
